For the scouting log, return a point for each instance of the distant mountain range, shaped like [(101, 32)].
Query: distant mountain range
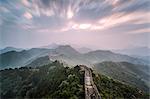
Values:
[(50, 46), (7, 49), (22, 58), (64, 53), (137, 51), (79, 49), (103, 55), (83, 50)]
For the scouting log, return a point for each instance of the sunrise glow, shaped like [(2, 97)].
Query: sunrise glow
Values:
[(84, 26), (70, 14)]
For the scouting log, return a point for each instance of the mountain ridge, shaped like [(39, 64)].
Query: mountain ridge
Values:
[(7, 49), (136, 51), (64, 53)]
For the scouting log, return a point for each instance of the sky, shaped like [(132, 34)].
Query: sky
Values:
[(95, 24)]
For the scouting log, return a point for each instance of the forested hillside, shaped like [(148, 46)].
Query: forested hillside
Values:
[(136, 75), (56, 81), (112, 89), (49, 81)]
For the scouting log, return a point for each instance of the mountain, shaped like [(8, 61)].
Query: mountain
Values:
[(7, 49), (17, 59), (51, 46), (110, 88), (68, 55), (73, 57), (137, 51), (103, 55), (67, 50), (137, 75), (39, 62), (146, 58), (83, 50), (65, 54)]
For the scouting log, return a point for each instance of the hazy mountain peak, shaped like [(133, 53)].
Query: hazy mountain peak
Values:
[(101, 51), (136, 51), (50, 46), (64, 46), (83, 50), (66, 49), (7, 49)]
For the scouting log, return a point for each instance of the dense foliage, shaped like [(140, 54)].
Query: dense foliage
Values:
[(56, 81), (112, 89), (132, 74), (49, 81)]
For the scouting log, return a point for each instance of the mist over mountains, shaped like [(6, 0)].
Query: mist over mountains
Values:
[(64, 53), (136, 51), (7, 49)]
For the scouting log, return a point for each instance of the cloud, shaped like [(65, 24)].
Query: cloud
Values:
[(70, 13), (4, 9), (28, 15), (81, 12), (134, 5), (121, 18), (88, 18), (140, 31), (26, 3), (113, 21)]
